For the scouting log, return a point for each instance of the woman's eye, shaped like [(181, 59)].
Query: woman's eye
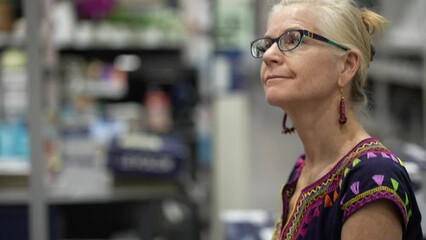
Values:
[(290, 40)]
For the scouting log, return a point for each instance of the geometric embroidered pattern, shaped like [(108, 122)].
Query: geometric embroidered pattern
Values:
[(380, 192), (292, 229), (367, 173)]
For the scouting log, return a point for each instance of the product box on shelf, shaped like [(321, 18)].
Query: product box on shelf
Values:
[(247, 224), (147, 156)]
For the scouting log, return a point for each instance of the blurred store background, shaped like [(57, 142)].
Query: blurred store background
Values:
[(145, 119)]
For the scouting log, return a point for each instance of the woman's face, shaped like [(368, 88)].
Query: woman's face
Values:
[(305, 75)]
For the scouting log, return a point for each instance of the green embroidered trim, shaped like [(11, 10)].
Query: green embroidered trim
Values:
[(375, 190), (372, 191)]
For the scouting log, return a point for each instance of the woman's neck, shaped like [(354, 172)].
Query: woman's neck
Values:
[(326, 141)]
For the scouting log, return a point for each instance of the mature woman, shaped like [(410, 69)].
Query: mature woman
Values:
[(346, 185)]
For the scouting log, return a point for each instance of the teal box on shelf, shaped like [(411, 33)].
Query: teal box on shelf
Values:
[(145, 155)]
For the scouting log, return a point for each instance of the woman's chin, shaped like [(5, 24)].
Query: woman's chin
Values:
[(274, 101)]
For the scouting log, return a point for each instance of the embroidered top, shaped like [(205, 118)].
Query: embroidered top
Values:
[(369, 172)]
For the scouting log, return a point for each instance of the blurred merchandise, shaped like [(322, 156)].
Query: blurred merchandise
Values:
[(7, 16), (14, 141), (234, 25), (158, 110), (14, 155), (154, 23), (14, 136), (95, 79), (118, 119), (247, 225), (98, 23), (13, 84), (147, 156), (64, 21), (116, 24), (204, 135), (94, 9)]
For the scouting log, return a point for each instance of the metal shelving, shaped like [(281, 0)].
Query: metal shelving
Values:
[(38, 197), (38, 205), (22, 197), (400, 67)]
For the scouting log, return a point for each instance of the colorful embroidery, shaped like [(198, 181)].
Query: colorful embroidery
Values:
[(327, 201), (395, 184), (378, 179), (323, 203), (329, 183), (356, 162), (355, 188), (371, 155), (381, 192), (335, 196)]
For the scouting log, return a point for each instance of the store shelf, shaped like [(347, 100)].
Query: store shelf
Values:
[(130, 48), (109, 53), (397, 71), (20, 196), (398, 75), (8, 41), (384, 48), (17, 196), (43, 188), (119, 194), (14, 166)]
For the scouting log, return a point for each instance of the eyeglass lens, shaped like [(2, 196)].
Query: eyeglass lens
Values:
[(287, 41)]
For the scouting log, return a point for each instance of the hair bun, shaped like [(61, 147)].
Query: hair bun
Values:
[(372, 21)]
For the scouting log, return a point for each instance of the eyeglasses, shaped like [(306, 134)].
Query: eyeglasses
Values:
[(288, 41)]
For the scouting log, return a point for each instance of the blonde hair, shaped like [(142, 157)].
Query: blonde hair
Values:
[(344, 22)]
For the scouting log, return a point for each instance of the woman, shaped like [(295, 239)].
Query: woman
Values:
[(346, 185)]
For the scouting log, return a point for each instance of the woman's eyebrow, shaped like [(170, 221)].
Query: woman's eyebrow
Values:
[(285, 30)]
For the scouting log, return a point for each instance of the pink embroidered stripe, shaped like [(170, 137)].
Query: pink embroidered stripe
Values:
[(349, 210)]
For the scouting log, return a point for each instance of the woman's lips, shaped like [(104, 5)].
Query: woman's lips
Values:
[(275, 77)]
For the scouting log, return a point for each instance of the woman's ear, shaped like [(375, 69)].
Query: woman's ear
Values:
[(351, 63)]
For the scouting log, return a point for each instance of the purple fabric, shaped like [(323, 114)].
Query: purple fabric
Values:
[(369, 172)]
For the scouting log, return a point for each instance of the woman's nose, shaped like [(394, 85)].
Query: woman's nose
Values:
[(273, 55)]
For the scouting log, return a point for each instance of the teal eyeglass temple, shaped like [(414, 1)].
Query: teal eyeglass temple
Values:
[(320, 38), (303, 33)]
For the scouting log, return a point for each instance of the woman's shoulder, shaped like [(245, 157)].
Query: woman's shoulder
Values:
[(380, 158), (377, 174), (377, 167), (371, 155)]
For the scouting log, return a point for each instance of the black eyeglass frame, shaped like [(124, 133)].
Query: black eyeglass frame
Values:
[(303, 33)]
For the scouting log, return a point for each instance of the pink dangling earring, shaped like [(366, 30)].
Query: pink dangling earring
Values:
[(286, 130), (343, 118)]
